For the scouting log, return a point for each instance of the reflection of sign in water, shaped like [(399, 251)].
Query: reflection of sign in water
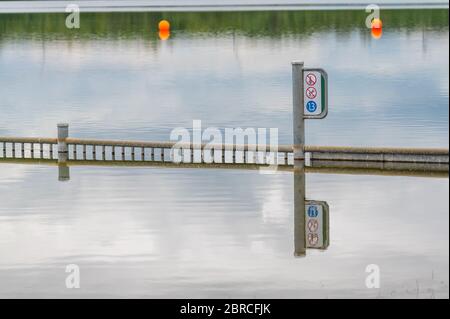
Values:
[(313, 225), (313, 211), (317, 226), (313, 239)]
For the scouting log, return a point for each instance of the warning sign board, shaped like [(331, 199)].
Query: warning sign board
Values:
[(315, 83), (310, 79), (317, 224)]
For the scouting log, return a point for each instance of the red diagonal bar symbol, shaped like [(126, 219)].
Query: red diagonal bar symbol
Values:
[(311, 92), (311, 79), (313, 225), (313, 239)]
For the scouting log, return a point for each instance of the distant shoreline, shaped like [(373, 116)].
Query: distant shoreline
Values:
[(55, 6)]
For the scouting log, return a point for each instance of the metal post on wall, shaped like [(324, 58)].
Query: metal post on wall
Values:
[(63, 133), (298, 111), (63, 152), (299, 157)]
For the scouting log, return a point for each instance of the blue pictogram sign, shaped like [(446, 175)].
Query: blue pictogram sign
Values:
[(311, 106), (313, 211)]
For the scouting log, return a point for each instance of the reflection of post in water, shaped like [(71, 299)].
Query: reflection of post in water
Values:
[(299, 209), (63, 170), (63, 153), (311, 218)]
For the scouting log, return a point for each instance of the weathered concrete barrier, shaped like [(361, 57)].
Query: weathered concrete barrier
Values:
[(379, 154), (81, 149)]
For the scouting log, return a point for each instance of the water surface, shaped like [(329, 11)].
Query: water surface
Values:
[(159, 232)]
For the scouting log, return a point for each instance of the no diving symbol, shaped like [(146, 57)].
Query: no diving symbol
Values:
[(313, 225), (311, 79), (311, 92)]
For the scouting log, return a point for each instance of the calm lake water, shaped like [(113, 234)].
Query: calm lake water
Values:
[(159, 232)]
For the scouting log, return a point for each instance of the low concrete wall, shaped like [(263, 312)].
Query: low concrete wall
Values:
[(367, 154), (323, 153)]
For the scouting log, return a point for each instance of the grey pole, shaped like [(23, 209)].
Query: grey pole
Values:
[(297, 113), (63, 152), (63, 172), (63, 133), (299, 209)]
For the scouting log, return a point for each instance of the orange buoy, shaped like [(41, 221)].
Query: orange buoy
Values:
[(164, 35), (377, 28), (377, 33), (164, 26), (377, 24)]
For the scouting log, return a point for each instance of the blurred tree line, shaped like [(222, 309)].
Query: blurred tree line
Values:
[(262, 23)]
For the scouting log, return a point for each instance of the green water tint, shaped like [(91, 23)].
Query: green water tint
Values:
[(270, 23)]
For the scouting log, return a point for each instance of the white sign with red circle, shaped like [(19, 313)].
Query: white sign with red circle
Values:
[(310, 79), (315, 93), (311, 93)]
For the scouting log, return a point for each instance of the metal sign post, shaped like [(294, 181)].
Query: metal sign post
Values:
[(310, 101), (298, 111)]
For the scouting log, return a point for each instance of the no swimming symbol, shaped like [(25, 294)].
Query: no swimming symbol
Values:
[(311, 79)]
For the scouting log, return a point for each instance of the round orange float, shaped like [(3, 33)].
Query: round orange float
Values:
[(164, 26), (164, 35), (377, 28)]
